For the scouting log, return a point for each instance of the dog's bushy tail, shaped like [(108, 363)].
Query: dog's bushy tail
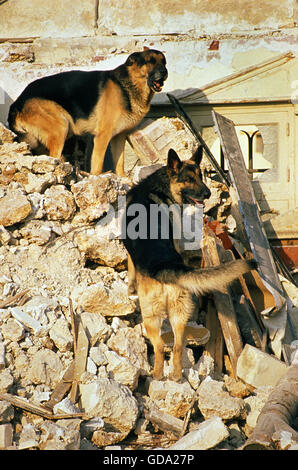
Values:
[(200, 281)]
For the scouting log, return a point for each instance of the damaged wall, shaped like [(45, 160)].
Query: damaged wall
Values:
[(203, 42), (23, 18)]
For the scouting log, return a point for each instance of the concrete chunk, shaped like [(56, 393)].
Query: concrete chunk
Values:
[(208, 434), (14, 207), (26, 320), (258, 369), (29, 437), (6, 433)]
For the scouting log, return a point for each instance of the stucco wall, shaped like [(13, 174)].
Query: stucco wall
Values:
[(70, 18)]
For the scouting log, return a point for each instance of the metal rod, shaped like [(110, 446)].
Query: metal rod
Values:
[(187, 121)]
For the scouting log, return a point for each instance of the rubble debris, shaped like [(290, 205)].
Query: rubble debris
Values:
[(114, 403), (207, 436), (6, 435), (75, 363), (165, 421), (278, 414), (258, 369), (215, 401), (14, 207)]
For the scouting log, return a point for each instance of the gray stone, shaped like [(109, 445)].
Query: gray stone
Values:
[(129, 343), (122, 370), (13, 330), (14, 207), (46, 368), (65, 406), (255, 403), (6, 380), (96, 327), (29, 437), (111, 401), (215, 401), (6, 435), (95, 195), (61, 336), (97, 354), (171, 397), (208, 435), (59, 203), (258, 368), (55, 437), (29, 322), (100, 299), (6, 412)]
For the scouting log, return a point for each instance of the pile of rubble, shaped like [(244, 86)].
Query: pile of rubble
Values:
[(74, 359)]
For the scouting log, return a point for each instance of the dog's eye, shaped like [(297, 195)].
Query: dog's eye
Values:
[(152, 60), (191, 179)]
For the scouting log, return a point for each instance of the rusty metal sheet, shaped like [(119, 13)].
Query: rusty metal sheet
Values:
[(248, 207)]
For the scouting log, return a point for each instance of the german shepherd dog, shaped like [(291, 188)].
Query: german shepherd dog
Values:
[(106, 104), (165, 283)]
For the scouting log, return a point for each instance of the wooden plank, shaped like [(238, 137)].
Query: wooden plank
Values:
[(62, 387), (215, 345), (81, 355), (163, 420), (248, 207), (74, 327), (35, 408), (17, 299), (223, 302)]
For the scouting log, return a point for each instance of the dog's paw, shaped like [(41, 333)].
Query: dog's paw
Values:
[(175, 377)]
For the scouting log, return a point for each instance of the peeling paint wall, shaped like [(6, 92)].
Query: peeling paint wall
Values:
[(197, 16), (69, 18), (203, 41)]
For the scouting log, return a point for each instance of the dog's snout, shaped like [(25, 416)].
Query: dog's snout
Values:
[(160, 73), (206, 193)]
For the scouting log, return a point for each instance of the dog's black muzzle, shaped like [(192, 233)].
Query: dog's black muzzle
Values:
[(157, 78), (196, 197)]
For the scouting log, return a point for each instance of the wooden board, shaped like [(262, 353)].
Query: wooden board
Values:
[(248, 207), (35, 408), (81, 354), (62, 387), (215, 345), (223, 302)]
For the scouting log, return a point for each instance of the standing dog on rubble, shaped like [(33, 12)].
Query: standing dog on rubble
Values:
[(106, 104), (165, 284)]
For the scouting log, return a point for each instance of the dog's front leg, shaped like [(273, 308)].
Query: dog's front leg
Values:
[(100, 145), (117, 148)]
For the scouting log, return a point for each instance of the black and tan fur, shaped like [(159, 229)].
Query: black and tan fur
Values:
[(106, 104), (165, 283)]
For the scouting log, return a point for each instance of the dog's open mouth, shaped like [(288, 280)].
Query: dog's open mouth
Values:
[(156, 85), (195, 201)]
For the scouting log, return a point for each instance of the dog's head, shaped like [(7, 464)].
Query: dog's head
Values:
[(185, 177), (151, 65)]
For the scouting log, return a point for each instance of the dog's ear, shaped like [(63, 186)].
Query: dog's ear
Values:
[(197, 156), (131, 59), (135, 57), (174, 162)]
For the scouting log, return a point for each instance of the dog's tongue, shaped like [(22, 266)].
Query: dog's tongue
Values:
[(158, 85), (198, 203)]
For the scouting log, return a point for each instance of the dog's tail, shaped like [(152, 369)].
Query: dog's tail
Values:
[(200, 281)]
